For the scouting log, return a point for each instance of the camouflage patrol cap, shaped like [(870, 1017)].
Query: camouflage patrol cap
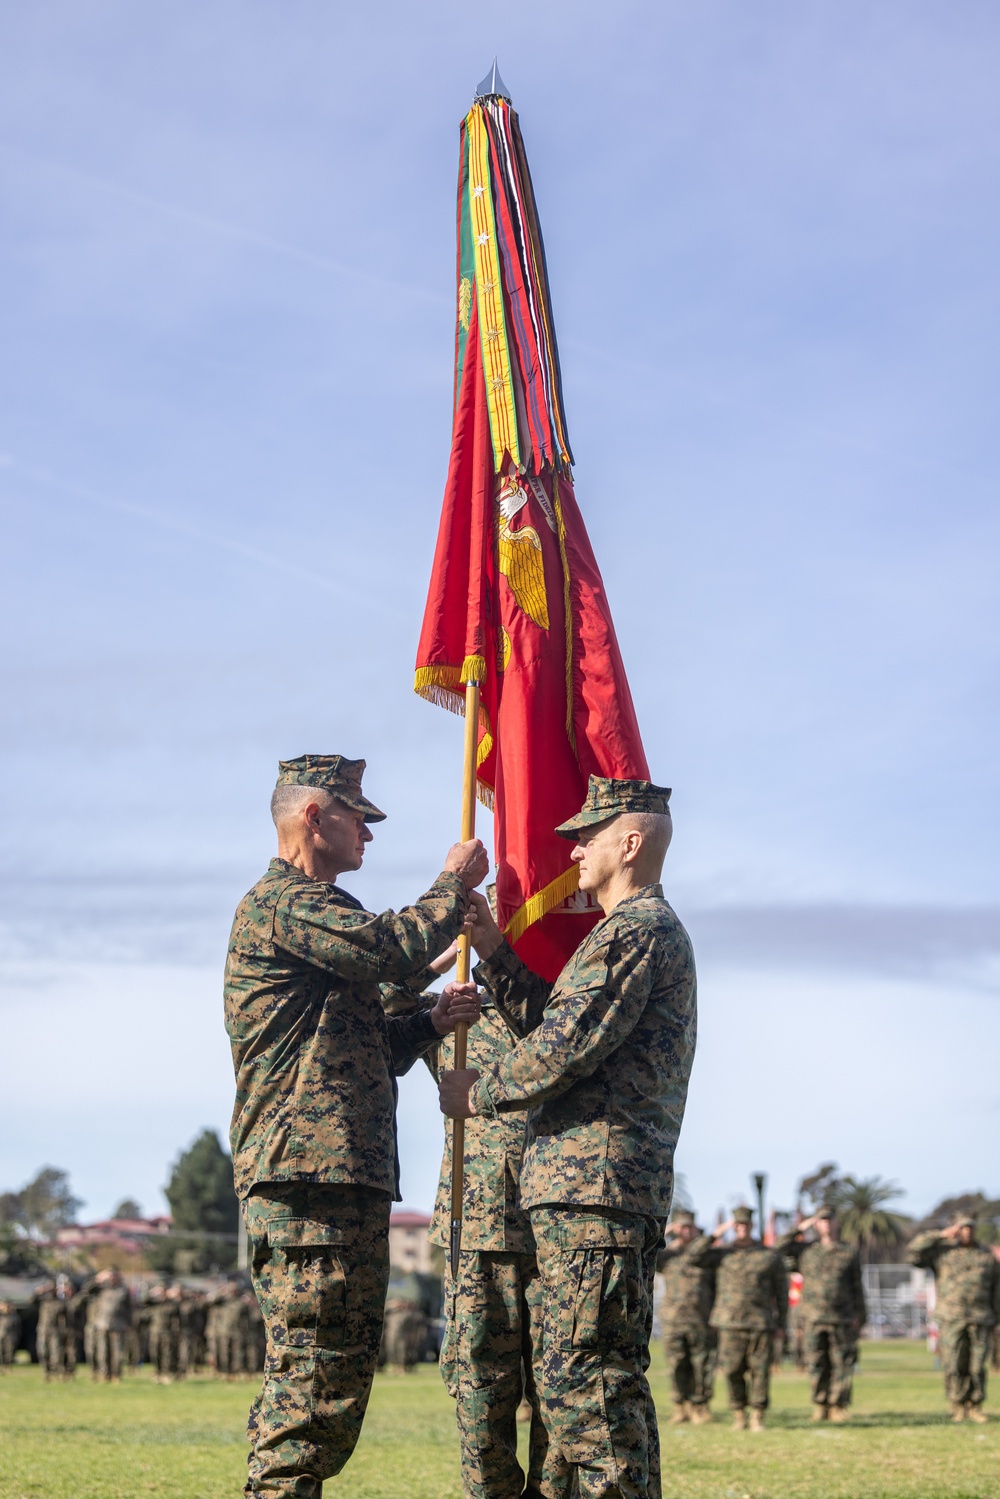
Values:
[(962, 1220), (607, 798), (827, 1212), (683, 1217), (334, 773), (742, 1215)]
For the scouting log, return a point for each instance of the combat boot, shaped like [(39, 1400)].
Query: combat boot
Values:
[(820, 1413), (756, 1420), (739, 1420), (700, 1415), (977, 1414), (957, 1413), (680, 1416), (839, 1414)]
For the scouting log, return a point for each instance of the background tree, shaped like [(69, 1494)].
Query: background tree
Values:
[(817, 1189), (985, 1210), (204, 1207), (127, 1208), (42, 1205), (866, 1221)]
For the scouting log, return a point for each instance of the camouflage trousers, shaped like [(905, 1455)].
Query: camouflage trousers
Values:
[(492, 1336), (745, 1363), (163, 1351), (107, 1348), (57, 1352), (965, 1350), (690, 1363), (229, 1353), (596, 1267), (832, 1352), (320, 1269)]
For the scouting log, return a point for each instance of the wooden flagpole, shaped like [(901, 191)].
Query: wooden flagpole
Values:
[(463, 968)]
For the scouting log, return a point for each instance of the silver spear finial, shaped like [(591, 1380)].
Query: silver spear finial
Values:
[(493, 84)]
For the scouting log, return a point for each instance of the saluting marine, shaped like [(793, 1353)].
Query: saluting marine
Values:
[(751, 1305), (968, 1306), (832, 1309), (313, 1129)]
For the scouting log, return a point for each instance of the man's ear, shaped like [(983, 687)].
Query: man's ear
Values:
[(311, 814), (633, 845)]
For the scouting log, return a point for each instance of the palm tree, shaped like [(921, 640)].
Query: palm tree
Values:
[(864, 1219)]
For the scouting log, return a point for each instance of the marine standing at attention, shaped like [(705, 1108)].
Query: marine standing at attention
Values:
[(751, 1305), (968, 1305), (308, 976), (604, 1071), (832, 1310)]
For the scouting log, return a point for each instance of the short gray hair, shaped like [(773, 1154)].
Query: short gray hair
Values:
[(656, 829), (287, 799)]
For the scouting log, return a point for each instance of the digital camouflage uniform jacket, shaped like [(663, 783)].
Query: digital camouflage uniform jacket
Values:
[(968, 1279), (494, 1146), (688, 1289), (606, 1065), (309, 978), (832, 1290), (751, 1284)]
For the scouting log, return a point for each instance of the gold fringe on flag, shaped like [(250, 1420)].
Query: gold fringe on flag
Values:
[(537, 906)]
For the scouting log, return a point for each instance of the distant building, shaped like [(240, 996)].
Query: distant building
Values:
[(127, 1234), (409, 1246)]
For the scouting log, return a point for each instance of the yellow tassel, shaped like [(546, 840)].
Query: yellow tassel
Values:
[(473, 669), (537, 906)]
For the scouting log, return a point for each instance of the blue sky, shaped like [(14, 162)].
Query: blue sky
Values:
[(228, 260)]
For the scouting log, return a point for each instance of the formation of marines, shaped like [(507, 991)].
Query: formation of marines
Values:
[(174, 1330)]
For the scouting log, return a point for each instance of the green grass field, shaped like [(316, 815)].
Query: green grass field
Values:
[(185, 1441)]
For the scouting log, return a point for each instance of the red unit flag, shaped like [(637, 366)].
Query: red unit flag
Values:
[(516, 600)]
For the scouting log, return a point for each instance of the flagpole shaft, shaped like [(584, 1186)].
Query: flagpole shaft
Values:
[(463, 967)]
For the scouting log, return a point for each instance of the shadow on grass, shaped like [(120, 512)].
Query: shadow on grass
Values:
[(867, 1421)]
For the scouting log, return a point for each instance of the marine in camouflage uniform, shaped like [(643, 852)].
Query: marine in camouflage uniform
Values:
[(192, 1340), (494, 1305), (10, 1333), (164, 1333), (832, 1309), (313, 1130), (55, 1332), (688, 1340), (751, 1305), (231, 1329), (968, 1306), (109, 1318), (603, 1070), (404, 1333)]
